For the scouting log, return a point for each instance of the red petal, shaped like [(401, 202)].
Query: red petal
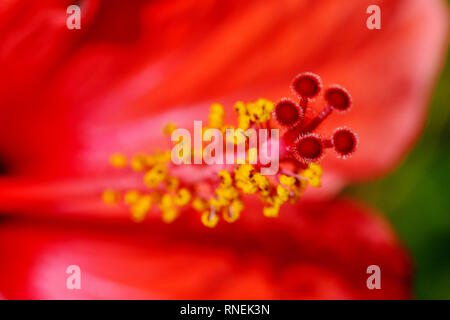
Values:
[(186, 53), (390, 74), (316, 251)]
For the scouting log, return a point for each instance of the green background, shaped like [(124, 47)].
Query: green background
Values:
[(416, 198)]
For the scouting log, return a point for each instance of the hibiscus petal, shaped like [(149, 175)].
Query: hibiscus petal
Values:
[(319, 251), (389, 72), (173, 56)]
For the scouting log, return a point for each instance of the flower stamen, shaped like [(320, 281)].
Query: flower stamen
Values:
[(220, 196)]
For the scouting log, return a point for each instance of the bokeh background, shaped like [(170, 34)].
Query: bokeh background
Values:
[(415, 198)]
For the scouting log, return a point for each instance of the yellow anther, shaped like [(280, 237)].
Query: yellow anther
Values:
[(303, 184), (166, 202), (172, 184), (209, 219), (138, 162), (314, 182), (140, 208), (216, 115), (162, 157), (243, 176), (217, 108), (261, 102), (169, 128), (199, 204), (216, 121), (182, 197), (225, 178), (237, 206), (272, 211), (313, 174), (150, 160), (226, 193), (247, 187), (252, 155), (231, 193), (243, 122), (155, 176), (244, 172), (308, 173), (218, 202), (287, 180), (278, 201), (261, 181), (317, 169), (167, 156), (234, 211), (264, 192), (282, 193), (265, 109), (111, 196), (255, 111), (169, 215), (268, 105), (118, 160), (131, 197), (240, 108), (220, 194)]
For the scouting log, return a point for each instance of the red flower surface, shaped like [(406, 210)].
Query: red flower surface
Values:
[(68, 99), (320, 251)]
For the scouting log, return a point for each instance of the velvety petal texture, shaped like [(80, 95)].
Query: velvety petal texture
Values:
[(313, 252), (156, 56)]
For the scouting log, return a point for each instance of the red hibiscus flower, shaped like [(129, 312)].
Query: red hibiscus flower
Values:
[(70, 98)]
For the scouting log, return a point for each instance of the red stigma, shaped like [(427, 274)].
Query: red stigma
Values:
[(287, 113), (338, 98), (217, 192), (309, 148), (301, 140), (306, 85), (344, 141)]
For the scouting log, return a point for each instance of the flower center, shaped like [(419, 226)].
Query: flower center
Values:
[(218, 196)]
